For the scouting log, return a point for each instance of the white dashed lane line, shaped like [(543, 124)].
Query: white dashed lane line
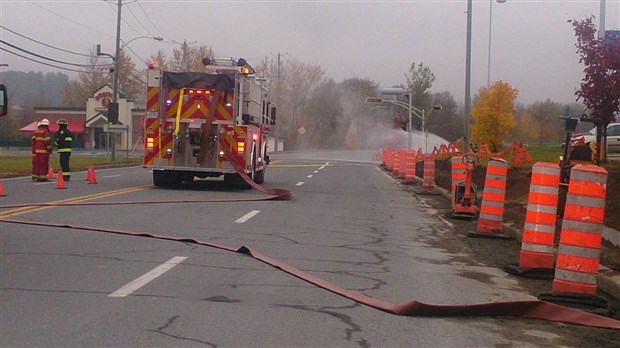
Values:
[(299, 183), (147, 277), (247, 216)]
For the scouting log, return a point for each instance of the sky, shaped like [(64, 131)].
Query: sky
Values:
[(532, 44)]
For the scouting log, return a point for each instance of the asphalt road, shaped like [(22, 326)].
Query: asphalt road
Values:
[(348, 223)]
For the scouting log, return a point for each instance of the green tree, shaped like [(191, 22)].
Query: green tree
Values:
[(420, 79), (492, 114), (323, 113), (447, 123)]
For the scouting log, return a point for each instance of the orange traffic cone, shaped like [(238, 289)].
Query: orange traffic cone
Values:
[(92, 179), (50, 173), (89, 172), (60, 184), (1, 190)]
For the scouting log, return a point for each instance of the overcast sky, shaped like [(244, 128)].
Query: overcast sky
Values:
[(532, 48)]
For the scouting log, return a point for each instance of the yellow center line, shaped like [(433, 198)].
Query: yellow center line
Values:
[(25, 210)]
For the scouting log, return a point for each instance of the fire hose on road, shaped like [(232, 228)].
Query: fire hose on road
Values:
[(523, 309), (534, 309)]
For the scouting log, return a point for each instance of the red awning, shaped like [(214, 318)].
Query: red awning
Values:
[(74, 127)]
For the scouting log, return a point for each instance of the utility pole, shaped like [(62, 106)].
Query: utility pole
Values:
[(113, 109), (184, 58)]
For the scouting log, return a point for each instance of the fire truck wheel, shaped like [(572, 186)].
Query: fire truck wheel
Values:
[(259, 177)]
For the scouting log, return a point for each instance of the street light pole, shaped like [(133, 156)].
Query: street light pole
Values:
[(467, 79), (601, 27), (410, 140), (490, 30)]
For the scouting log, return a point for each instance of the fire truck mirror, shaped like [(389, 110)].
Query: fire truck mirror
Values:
[(273, 115), (3, 101)]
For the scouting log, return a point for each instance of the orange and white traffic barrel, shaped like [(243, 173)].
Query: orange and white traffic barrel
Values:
[(491, 216), (537, 246), (410, 167), (397, 157), (389, 161), (403, 164), (578, 257), (459, 173), (582, 231), (428, 176)]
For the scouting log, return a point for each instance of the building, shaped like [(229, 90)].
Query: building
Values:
[(90, 126)]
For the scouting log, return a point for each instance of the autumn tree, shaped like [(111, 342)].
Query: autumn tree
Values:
[(525, 129), (297, 80), (545, 117), (492, 114), (600, 87), (97, 74), (189, 57), (77, 92)]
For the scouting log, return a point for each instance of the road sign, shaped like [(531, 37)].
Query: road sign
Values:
[(115, 128), (374, 100)]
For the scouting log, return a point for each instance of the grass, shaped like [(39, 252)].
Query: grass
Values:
[(21, 165), (545, 153)]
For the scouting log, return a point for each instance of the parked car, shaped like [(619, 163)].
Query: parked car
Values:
[(613, 137)]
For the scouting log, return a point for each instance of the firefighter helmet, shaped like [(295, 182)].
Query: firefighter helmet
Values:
[(45, 122), (62, 121)]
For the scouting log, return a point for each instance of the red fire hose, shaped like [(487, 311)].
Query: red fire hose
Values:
[(523, 309)]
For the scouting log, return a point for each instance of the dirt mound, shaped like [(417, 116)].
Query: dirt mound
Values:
[(517, 191)]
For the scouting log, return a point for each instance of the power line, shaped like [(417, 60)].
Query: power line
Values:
[(44, 44), (44, 63), (47, 58), (150, 21), (138, 20), (70, 20)]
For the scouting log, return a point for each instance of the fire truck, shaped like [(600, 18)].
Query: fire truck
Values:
[(207, 124)]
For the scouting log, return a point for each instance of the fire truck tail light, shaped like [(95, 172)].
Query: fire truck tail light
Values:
[(240, 147), (150, 143)]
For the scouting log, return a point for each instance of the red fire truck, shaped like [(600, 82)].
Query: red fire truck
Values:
[(207, 124)]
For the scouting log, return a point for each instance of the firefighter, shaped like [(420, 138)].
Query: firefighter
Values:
[(64, 138), (41, 151)]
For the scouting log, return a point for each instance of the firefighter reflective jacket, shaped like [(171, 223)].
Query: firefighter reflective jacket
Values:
[(64, 139), (41, 141)]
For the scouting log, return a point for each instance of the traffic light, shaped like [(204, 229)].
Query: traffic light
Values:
[(404, 123), (113, 113)]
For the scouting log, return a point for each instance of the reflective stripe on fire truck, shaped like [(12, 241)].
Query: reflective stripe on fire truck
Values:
[(177, 124)]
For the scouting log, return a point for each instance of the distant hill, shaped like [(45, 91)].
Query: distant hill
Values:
[(34, 88)]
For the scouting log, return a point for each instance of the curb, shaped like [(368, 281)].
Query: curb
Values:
[(607, 279)]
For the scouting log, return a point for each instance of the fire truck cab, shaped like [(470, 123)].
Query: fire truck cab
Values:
[(207, 124)]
